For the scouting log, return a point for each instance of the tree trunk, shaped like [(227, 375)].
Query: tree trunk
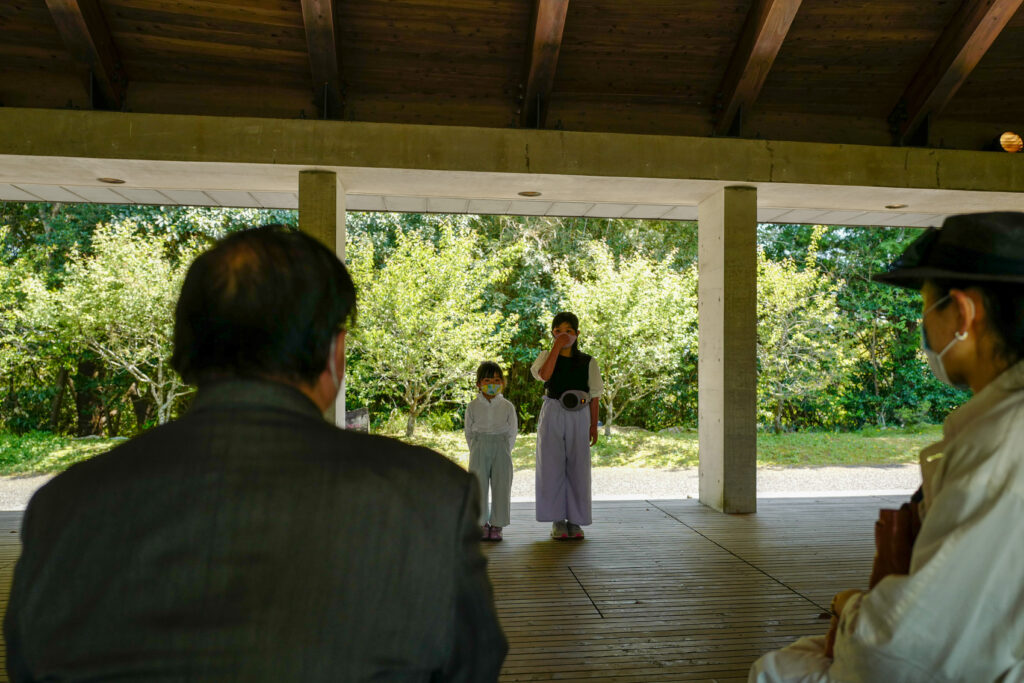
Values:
[(609, 415), (141, 406), (113, 421), (410, 425), (778, 417), (89, 407), (58, 400)]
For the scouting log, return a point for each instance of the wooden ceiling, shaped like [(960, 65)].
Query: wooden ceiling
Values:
[(943, 73)]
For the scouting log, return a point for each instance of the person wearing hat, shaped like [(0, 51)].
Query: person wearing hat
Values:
[(957, 615)]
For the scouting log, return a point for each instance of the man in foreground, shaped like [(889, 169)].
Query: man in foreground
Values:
[(251, 540)]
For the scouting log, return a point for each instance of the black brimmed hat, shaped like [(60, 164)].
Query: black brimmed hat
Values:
[(982, 247)]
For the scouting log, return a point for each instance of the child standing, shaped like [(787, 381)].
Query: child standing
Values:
[(491, 428), (566, 430)]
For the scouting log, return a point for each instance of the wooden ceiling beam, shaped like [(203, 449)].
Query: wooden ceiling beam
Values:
[(966, 39), (87, 37), (545, 43), (324, 55), (764, 31)]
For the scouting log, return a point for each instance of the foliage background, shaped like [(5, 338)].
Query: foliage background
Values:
[(835, 351)]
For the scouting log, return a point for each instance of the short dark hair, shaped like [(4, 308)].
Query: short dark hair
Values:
[(488, 369), (264, 302), (1004, 303)]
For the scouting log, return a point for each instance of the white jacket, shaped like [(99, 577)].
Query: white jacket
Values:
[(959, 614)]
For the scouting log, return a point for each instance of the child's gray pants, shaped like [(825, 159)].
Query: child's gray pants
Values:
[(491, 461)]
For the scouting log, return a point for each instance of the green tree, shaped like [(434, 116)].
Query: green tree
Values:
[(423, 327), (119, 303), (638, 318), (802, 343)]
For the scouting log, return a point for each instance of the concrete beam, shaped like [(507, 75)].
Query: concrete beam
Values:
[(727, 348), (337, 144), (322, 215)]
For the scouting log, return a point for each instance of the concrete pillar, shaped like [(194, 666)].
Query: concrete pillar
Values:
[(322, 215), (727, 348)]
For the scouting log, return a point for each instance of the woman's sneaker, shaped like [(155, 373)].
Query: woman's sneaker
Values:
[(486, 535), (574, 530), (559, 531), (495, 533)]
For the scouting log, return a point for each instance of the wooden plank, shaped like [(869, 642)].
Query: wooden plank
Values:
[(966, 39), (763, 33), (545, 42), (85, 33), (322, 45)]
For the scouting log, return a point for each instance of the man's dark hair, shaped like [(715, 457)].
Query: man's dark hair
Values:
[(488, 369), (263, 302)]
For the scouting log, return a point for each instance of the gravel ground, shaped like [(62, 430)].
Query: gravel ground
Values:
[(624, 483)]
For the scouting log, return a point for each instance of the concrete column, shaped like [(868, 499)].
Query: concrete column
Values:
[(727, 349), (322, 215)]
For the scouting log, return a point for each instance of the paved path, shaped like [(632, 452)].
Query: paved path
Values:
[(629, 483)]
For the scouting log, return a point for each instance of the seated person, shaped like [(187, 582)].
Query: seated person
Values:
[(957, 615), (251, 540)]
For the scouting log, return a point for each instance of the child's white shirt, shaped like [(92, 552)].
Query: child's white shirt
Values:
[(497, 416)]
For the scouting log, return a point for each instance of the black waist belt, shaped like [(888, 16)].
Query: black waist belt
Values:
[(572, 399)]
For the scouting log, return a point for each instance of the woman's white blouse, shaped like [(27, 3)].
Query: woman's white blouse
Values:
[(959, 614)]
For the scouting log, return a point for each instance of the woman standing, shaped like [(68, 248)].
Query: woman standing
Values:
[(566, 430)]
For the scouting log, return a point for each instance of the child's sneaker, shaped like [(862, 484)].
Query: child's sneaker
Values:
[(559, 531), (486, 536), (574, 530), (495, 533)]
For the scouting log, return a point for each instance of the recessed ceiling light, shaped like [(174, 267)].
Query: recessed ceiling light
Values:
[(895, 206), (1011, 142), (112, 181), (529, 193)]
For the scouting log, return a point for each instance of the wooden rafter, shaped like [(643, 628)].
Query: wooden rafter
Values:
[(966, 39), (763, 32), (324, 59), (87, 37), (545, 43)]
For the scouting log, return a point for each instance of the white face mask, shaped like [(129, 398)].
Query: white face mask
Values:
[(935, 358)]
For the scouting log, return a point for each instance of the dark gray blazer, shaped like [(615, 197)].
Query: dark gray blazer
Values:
[(253, 541)]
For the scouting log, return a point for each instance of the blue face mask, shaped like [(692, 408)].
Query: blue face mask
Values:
[(491, 389)]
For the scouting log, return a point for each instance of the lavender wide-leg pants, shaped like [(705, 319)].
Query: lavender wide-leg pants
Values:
[(563, 464)]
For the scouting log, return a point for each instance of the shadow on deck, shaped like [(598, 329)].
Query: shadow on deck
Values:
[(661, 590), (673, 591)]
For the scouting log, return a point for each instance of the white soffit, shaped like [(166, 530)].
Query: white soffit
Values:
[(74, 180)]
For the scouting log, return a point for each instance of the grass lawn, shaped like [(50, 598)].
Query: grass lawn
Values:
[(42, 453)]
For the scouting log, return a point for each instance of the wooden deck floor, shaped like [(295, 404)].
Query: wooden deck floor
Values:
[(673, 591), (659, 590)]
